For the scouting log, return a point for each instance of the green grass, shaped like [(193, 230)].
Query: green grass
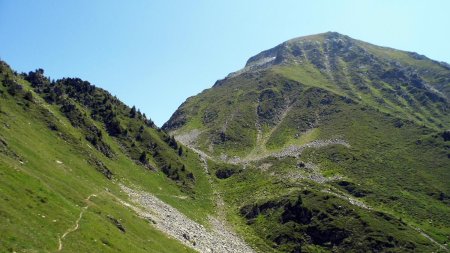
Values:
[(397, 161), (45, 178), (308, 75), (255, 186)]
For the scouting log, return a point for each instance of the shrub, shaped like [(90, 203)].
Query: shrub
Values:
[(143, 157), (28, 96)]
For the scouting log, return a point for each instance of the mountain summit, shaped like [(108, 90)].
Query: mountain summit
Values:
[(383, 78), (298, 50), (321, 50)]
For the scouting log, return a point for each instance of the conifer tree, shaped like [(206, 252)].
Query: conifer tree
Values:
[(133, 112), (143, 157)]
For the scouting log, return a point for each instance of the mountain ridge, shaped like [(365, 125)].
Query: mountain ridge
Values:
[(292, 53), (275, 54), (285, 116)]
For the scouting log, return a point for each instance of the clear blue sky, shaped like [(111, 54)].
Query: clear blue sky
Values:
[(155, 54)]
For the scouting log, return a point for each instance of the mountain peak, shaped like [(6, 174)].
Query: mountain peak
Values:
[(318, 37), (297, 51)]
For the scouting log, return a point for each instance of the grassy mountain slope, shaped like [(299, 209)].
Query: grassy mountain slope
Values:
[(65, 147), (330, 143)]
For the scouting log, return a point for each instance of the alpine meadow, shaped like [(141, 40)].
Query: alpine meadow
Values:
[(323, 143)]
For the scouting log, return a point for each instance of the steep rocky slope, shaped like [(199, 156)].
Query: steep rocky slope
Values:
[(328, 143)]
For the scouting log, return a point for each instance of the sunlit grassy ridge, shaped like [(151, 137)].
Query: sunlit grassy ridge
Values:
[(49, 168)]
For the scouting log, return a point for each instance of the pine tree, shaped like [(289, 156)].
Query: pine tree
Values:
[(133, 112), (143, 157)]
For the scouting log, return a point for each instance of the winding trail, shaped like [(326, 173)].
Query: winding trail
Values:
[(348, 198), (77, 222), (356, 202), (431, 239), (290, 151), (220, 204)]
